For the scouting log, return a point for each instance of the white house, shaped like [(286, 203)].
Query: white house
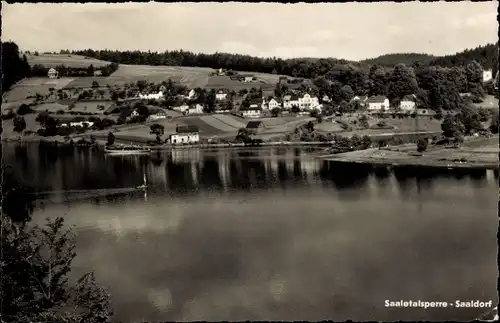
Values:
[(220, 96), (361, 99), (307, 102), (195, 109), (191, 94), (487, 75), (253, 111), (289, 101), (151, 96), (134, 114), (87, 124), (181, 108), (52, 73), (248, 79), (273, 104), (407, 104), (326, 98), (377, 103), (157, 116), (185, 135)]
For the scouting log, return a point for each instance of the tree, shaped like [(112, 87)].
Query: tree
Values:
[(310, 126), (366, 142), (158, 130), (14, 68), (243, 135), (474, 73), (470, 119), (111, 139), (363, 122), (494, 122), (422, 144), (275, 112), (402, 81), (344, 107), (452, 127), (35, 264), (19, 124), (347, 93)]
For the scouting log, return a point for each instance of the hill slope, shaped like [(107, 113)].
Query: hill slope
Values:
[(486, 55)]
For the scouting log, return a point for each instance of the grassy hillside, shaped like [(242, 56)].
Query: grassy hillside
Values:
[(75, 61)]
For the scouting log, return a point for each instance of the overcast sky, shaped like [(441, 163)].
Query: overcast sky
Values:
[(351, 31)]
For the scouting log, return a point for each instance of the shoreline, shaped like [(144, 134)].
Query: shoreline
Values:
[(100, 143), (388, 158)]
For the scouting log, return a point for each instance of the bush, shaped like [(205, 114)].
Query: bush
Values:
[(422, 144), (24, 109), (60, 112)]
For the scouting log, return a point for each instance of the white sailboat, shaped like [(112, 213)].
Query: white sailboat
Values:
[(144, 184)]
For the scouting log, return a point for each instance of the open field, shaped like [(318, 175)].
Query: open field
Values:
[(50, 107), (490, 102), (32, 86), (231, 120), (52, 60), (481, 153), (215, 82)]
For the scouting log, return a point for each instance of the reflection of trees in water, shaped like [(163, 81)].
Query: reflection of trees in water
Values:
[(344, 175)]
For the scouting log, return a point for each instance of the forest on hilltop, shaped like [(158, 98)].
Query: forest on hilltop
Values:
[(401, 58), (486, 55)]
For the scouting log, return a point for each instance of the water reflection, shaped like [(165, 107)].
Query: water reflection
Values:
[(273, 234)]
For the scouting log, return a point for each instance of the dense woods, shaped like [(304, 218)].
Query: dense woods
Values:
[(14, 67), (486, 55)]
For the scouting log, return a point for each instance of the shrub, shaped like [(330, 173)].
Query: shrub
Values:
[(24, 109), (422, 144)]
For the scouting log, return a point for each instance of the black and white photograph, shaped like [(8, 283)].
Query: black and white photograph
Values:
[(237, 161)]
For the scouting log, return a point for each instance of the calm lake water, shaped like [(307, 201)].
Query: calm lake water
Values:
[(271, 233)]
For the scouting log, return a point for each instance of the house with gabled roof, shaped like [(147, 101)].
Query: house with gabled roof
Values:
[(408, 103), (255, 126), (377, 103), (361, 99), (185, 135), (52, 73), (290, 100), (252, 111)]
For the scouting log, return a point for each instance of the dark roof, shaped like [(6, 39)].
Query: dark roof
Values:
[(376, 99), (186, 129), (409, 98), (254, 124)]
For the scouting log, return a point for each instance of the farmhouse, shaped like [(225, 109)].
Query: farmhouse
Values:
[(255, 126), (52, 73), (307, 102), (248, 78), (181, 108), (194, 109), (134, 114), (273, 104), (253, 111), (487, 75), (289, 101), (361, 99), (82, 124), (192, 94), (152, 96), (185, 135), (220, 96), (157, 116), (377, 103), (407, 104), (97, 73)]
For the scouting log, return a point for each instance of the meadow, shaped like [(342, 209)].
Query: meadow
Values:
[(75, 61)]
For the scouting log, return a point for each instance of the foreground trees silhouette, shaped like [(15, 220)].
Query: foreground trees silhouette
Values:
[(35, 264)]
